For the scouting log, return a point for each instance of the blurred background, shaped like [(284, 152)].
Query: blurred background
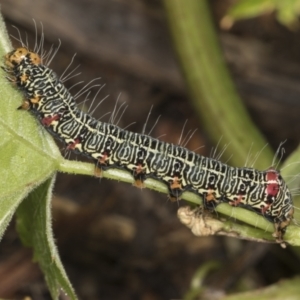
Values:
[(116, 241)]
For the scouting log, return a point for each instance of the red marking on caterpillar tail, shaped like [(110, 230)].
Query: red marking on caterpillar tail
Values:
[(272, 182), (47, 121)]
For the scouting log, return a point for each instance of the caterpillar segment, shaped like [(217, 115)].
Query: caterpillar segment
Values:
[(109, 146)]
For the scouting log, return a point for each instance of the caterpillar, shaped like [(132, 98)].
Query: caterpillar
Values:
[(109, 146)]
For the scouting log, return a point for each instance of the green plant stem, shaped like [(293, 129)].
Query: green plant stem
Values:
[(210, 85)]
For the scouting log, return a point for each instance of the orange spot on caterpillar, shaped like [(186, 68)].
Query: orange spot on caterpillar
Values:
[(36, 99), (210, 196), (23, 78), (176, 184)]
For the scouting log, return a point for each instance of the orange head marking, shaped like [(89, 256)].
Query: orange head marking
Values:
[(35, 58), (16, 56)]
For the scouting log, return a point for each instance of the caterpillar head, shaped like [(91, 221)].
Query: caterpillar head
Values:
[(21, 54)]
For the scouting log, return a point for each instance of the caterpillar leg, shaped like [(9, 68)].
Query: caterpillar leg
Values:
[(237, 202), (28, 103), (175, 189), (281, 226), (139, 176), (47, 121), (72, 146), (13, 80), (209, 200), (101, 164), (25, 105), (98, 172), (7, 69), (279, 233)]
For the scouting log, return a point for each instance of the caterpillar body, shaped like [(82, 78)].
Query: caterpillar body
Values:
[(145, 157)]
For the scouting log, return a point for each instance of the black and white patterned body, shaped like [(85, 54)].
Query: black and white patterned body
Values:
[(109, 146)]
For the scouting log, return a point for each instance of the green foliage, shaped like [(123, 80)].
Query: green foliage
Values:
[(287, 11), (283, 290), (34, 227), (196, 286), (29, 159)]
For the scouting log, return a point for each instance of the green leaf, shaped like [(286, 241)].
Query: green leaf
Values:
[(250, 8), (196, 286), (34, 227), (288, 12), (28, 155), (290, 171), (28, 158), (284, 289)]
